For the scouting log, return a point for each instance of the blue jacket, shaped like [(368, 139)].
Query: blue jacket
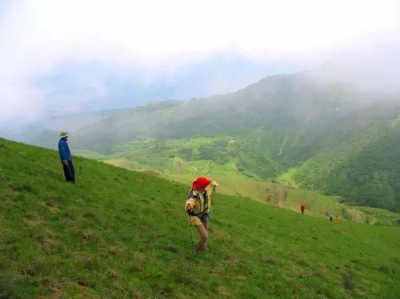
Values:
[(63, 150)]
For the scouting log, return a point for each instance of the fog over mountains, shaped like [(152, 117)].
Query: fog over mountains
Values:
[(81, 86), (330, 136)]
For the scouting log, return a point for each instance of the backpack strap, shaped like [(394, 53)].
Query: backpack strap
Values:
[(203, 206)]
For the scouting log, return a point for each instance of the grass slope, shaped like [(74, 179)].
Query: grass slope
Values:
[(123, 234), (181, 160)]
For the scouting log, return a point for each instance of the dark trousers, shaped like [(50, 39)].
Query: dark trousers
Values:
[(69, 171)]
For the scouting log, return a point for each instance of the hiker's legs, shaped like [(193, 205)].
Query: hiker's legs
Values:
[(67, 174), (69, 171), (202, 229), (72, 171)]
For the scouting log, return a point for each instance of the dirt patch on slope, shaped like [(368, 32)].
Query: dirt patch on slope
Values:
[(276, 195), (280, 196)]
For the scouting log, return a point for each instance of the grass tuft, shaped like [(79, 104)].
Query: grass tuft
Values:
[(348, 280), (8, 284)]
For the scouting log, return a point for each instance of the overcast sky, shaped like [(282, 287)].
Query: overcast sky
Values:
[(58, 55)]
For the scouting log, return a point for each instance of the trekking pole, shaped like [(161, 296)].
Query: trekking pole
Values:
[(191, 232)]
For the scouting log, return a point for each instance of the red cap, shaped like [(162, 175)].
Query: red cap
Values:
[(201, 182)]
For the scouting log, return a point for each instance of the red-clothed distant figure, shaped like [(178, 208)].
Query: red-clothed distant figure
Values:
[(302, 208)]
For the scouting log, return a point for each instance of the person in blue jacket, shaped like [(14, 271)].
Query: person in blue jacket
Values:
[(66, 158)]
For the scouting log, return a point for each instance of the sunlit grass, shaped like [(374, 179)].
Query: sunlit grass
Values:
[(317, 205)]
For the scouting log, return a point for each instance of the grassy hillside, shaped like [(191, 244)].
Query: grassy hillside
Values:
[(123, 234), (183, 159), (362, 170)]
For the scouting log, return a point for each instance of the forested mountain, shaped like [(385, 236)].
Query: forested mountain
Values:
[(324, 136), (360, 160), (284, 102)]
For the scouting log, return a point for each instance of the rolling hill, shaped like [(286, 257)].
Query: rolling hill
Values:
[(123, 234)]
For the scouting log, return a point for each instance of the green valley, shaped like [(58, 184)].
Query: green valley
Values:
[(290, 129)]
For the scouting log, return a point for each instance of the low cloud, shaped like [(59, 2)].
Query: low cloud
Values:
[(368, 68), (66, 56)]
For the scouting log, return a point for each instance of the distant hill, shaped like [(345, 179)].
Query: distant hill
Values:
[(279, 102)]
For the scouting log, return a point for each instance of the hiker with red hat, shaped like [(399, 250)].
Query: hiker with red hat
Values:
[(198, 206)]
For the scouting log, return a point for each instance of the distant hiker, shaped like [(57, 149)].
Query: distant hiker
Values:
[(66, 158), (330, 217), (198, 206), (302, 208), (336, 219), (214, 186)]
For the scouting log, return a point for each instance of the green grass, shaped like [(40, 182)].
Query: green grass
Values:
[(123, 234)]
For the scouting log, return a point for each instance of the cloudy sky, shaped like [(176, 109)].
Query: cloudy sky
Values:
[(59, 56)]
